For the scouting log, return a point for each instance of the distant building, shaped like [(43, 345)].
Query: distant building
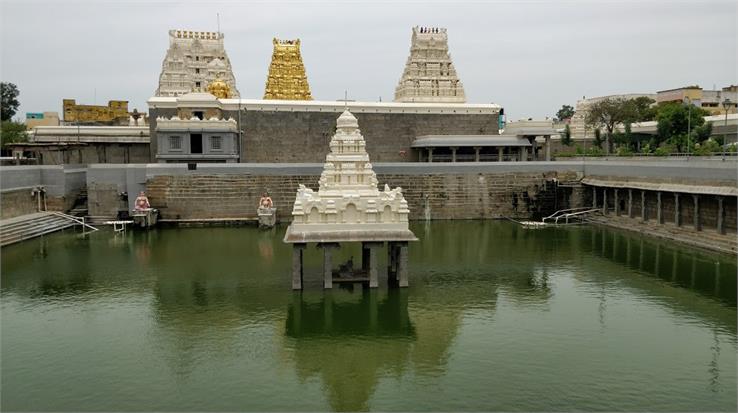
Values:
[(192, 62), (287, 79), (34, 119), (56, 145), (115, 113), (577, 123), (429, 74), (709, 100)]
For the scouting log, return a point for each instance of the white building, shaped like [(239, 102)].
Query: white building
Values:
[(192, 62), (429, 74)]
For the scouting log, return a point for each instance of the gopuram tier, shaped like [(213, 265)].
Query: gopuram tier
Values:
[(349, 207), (287, 79), (429, 74)]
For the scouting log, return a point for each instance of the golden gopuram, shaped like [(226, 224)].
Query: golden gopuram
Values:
[(220, 89), (287, 79)]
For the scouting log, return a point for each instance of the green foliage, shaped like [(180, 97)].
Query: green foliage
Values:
[(665, 150), (12, 132), (566, 112), (611, 112), (707, 147), (8, 100), (598, 139), (566, 136), (674, 120)]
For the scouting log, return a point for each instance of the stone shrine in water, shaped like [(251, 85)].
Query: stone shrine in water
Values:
[(348, 207)]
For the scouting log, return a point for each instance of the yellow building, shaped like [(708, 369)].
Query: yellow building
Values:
[(287, 79), (709, 100), (115, 112)]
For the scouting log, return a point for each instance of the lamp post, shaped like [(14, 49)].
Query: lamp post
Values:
[(726, 106), (687, 101)]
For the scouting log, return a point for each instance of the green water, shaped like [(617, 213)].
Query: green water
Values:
[(496, 318)]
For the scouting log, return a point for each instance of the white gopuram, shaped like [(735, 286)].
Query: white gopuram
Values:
[(429, 74), (348, 207), (193, 61)]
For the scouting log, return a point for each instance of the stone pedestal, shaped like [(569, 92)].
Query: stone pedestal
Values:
[(267, 217)]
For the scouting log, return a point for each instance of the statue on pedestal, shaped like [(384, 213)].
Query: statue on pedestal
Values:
[(266, 212)]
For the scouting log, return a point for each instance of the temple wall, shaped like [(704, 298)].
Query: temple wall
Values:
[(452, 196), (113, 153), (303, 137)]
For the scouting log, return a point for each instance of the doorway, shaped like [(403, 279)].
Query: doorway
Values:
[(195, 143)]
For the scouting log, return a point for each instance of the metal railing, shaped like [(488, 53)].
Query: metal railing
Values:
[(78, 220)]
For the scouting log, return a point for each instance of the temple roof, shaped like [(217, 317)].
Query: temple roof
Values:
[(428, 141)]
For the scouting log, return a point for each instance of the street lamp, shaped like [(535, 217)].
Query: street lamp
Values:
[(687, 101), (726, 105)]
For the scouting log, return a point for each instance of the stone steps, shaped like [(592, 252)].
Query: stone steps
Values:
[(30, 226)]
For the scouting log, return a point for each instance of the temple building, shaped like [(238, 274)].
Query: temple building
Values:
[(287, 79), (429, 74), (348, 207), (193, 61), (115, 113), (198, 132)]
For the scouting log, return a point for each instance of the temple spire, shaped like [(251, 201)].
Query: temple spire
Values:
[(287, 79)]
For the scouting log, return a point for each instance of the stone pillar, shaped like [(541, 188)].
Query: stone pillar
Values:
[(500, 153), (534, 149), (630, 203), (523, 153), (476, 153), (453, 153), (594, 197), (696, 216), (430, 154), (297, 271), (604, 200), (402, 265), (391, 264), (328, 263), (644, 213), (617, 203), (721, 216), (548, 147), (677, 211), (659, 209), (372, 262)]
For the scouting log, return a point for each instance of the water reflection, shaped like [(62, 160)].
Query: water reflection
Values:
[(707, 273)]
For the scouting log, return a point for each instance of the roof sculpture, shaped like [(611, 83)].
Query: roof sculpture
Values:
[(287, 79)]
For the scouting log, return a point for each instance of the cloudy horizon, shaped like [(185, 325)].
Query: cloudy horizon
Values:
[(529, 57)]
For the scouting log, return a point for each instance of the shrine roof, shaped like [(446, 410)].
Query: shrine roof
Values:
[(468, 140)]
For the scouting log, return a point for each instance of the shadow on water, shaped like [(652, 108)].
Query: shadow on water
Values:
[(709, 274)]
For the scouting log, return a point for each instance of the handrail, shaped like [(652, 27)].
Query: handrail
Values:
[(574, 214), (80, 221), (562, 211)]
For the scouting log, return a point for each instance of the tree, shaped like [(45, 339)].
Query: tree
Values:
[(598, 139), (8, 100), (673, 122), (12, 132), (612, 112), (566, 136), (566, 112)]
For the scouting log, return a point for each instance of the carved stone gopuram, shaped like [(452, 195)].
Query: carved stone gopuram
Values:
[(193, 61), (287, 79), (429, 74), (348, 207)]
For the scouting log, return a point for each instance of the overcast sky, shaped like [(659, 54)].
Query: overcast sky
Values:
[(528, 56)]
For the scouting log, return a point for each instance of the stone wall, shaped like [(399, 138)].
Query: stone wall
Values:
[(92, 153), (435, 196), (62, 185), (17, 202), (303, 137)]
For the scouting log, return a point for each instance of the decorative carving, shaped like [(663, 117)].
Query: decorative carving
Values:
[(348, 190), (429, 74), (287, 79)]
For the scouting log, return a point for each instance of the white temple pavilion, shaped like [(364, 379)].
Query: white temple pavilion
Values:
[(348, 207)]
